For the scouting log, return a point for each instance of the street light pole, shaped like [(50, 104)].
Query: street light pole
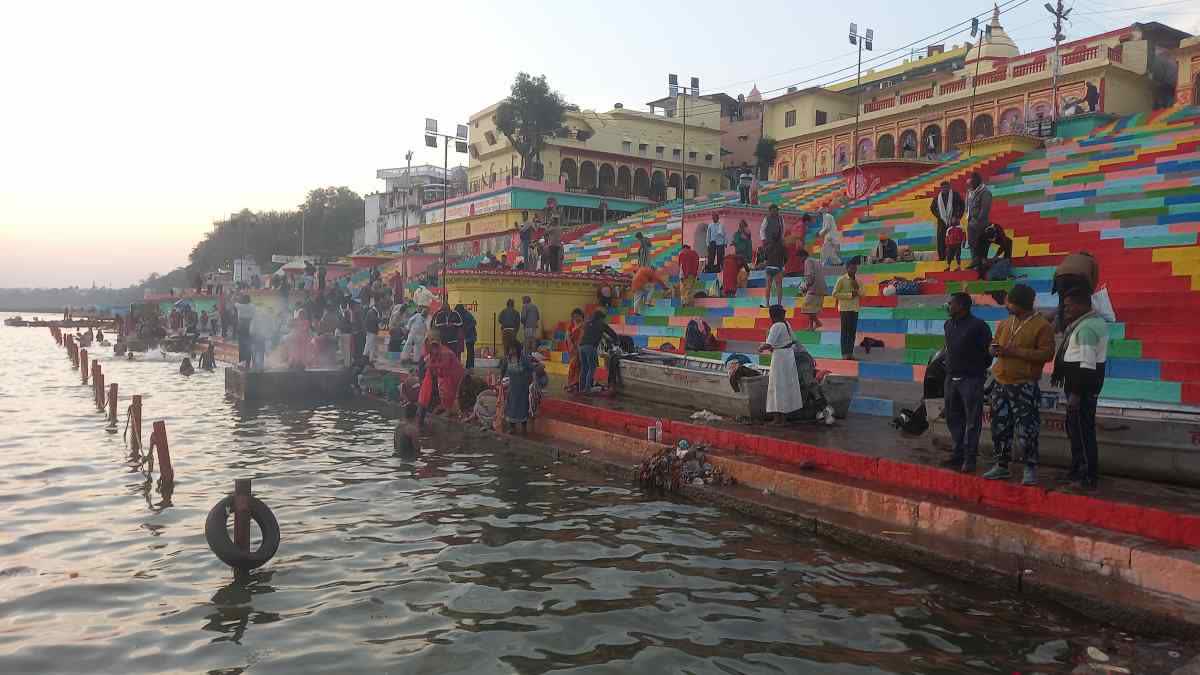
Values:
[(404, 245), (1059, 14), (867, 40), (460, 145), (987, 30)]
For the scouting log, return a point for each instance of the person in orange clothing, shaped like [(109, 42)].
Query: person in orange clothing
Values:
[(448, 370), (731, 269), (299, 342), (574, 335), (689, 270), (794, 241), (643, 285)]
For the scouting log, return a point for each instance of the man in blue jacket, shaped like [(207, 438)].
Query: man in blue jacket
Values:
[(968, 357)]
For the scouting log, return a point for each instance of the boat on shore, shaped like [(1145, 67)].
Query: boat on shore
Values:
[(15, 321)]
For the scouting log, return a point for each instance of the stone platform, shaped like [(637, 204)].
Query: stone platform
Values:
[(260, 386)]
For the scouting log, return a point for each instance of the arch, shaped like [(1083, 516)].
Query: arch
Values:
[(886, 149), (956, 134), (692, 183), (624, 180), (908, 143), (673, 181), (1039, 110), (784, 171), (802, 166), (641, 183), (587, 175), (569, 172), (1010, 121), (822, 162), (866, 149), (658, 185), (982, 127), (932, 133), (608, 178), (841, 156)]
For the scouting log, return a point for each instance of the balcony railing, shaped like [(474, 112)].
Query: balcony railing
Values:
[(1029, 68), (914, 96), (992, 77), (1080, 56), (951, 87), (881, 104)]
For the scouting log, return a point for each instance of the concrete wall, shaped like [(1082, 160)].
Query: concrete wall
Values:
[(485, 295), (1126, 93)]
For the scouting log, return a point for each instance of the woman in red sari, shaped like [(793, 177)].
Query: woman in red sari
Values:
[(574, 335), (444, 364), (730, 266)]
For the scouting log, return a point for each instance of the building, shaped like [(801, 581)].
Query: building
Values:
[(925, 106), (620, 153), (740, 121), (392, 216)]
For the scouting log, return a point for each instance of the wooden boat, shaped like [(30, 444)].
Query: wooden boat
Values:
[(700, 384), (15, 321)]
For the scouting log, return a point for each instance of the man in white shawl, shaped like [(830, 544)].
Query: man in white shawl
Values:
[(418, 329), (831, 240), (783, 383)]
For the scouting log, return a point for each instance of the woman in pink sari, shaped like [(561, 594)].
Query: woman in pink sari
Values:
[(449, 371)]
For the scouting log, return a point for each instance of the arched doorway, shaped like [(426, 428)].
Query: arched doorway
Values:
[(956, 134), (887, 147), (1010, 121), (908, 143), (673, 181), (931, 141), (658, 186), (569, 172), (866, 149), (587, 175), (608, 178), (982, 127), (641, 183), (624, 180), (841, 157), (784, 171), (1196, 91), (693, 185)]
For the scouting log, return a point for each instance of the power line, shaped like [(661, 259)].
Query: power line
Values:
[(1133, 9)]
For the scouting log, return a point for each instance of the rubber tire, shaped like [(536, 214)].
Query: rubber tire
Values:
[(216, 532)]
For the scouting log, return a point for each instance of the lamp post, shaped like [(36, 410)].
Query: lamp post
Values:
[(407, 195), (674, 89), (866, 39), (987, 32), (460, 145), (1059, 14)]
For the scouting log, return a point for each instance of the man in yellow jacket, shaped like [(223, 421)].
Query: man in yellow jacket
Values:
[(1024, 343)]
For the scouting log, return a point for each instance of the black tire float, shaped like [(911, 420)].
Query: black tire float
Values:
[(216, 532)]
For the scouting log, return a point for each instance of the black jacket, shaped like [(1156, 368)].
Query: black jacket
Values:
[(967, 347), (594, 330), (957, 207)]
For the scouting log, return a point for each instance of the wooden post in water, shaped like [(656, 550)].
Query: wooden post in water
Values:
[(241, 513), (112, 406), (98, 383), (83, 365), (158, 440), (135, 423)]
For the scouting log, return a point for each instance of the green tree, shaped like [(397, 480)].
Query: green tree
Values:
[(764, 155), (532, 113)]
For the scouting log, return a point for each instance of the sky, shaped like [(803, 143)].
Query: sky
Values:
[(128, 127)]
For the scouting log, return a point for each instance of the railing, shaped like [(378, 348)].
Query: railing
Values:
[(1115, 53), (881, 104), (992, 77), (951, 87), (914, 96), (1029, 68), (1080, 56)]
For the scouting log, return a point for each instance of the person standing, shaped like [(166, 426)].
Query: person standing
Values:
[(414, 344), (716, 245), (947, 208), (574, 336), (321, 279), (968, 355), (525, 233), (245, 314), (1079, 368), (783, 383), (470, 333), (744, 182), (689, 270), (1024, 343), (510, 325), (370, 329), (847, 290), (979, 213), (531, 321), (448, 324), (814, 287), (831, 240), (589, 346), (743, 244), (1077, 270), (555, 249), (774, 252), (643, 250)]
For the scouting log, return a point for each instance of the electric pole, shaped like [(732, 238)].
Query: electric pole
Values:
[(1060, 14)]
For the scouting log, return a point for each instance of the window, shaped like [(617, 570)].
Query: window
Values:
[(822, 117), (676, 153), (658, 150), (743, 139), (491, 137), (789, 118), (626, 146), (708, 157), (691, 154), (641, 148)]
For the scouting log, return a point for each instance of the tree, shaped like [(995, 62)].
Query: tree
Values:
[(764, 154), (532, 113)]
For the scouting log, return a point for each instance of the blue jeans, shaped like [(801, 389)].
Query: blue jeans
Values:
[(964, 416), (588, 362)]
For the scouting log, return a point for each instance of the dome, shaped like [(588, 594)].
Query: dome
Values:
[(755, 96), (998, 45)]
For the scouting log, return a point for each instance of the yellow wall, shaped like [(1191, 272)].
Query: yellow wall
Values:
[(1126, 93), (836, 107), (492, 223), (485, 295)]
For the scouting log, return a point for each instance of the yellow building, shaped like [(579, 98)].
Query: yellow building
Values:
[(926, 105), (620, 153)]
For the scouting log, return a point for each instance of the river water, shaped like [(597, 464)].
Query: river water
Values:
[(455, 560)]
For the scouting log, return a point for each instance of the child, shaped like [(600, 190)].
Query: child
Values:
[(954, 243)]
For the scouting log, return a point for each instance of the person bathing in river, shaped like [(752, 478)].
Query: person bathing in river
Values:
[(186, 368), (208, 360), (449, 371)]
